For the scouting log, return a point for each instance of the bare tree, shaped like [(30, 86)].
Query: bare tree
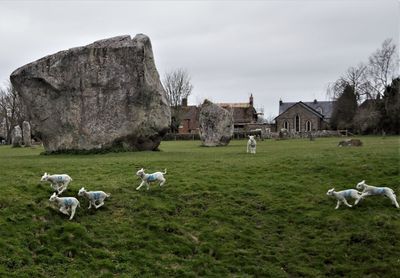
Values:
[(178, 86), (382, 68), (11, 113), (369, 80), (356, 77)]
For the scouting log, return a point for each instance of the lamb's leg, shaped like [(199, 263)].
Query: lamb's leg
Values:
[(90, 204), (147, 185), (337, 204), (363, 195), (102, 203), (392, 198), (347, 204), (61, 189), (72, 212), (141, 184), (163, 180), (64, 210), (358, 199)]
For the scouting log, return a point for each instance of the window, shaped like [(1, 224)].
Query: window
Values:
[(308, 126), (297, 123), (286, 125)]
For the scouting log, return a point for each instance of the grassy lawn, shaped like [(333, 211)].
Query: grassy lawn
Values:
[(222, 212)]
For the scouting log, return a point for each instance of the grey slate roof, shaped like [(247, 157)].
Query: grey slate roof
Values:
[(325, 106)]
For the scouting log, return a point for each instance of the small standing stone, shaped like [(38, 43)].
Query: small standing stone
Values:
[(16, 137), (216, 125), (26, 132)]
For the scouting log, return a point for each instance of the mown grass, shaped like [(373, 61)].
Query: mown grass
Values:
[(222, 212)]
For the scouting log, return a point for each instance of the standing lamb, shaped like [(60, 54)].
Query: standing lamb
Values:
[(251, 144), (57, 182), (341, 196), (369, 190), (147, 178), (93, 197), (65, 204)]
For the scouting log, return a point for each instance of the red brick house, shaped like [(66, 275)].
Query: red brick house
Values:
[(243, 114)]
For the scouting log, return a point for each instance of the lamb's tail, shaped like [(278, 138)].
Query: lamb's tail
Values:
[(108, 195), (165, 171)]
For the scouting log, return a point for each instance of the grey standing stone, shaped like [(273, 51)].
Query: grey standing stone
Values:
[(16, 137), (26, 134), (100, 96), (216, 125)]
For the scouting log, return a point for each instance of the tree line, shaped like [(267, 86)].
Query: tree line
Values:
[(368, 95)]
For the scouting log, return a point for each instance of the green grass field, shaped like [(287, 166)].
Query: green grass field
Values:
[(222, 212)]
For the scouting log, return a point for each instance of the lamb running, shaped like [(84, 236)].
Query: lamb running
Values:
[(251, 145), (341, 196), (93, 197), (369, 190), (65, 204), (57, 182), (148, 178)]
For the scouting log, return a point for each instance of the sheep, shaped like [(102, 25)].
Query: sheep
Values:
[(251, 145), (93, 197), (65, 204), (341, 196), (369, 190), (57, 182), (147, 178)]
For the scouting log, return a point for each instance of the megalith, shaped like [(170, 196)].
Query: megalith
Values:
[(16, 136), (26, 134), (104, 95), (216, 125)]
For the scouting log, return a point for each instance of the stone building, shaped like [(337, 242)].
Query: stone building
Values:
[(304, 116)]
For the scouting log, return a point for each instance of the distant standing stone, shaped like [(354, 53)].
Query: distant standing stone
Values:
[(16, 137), (216, 125), (26, 133)]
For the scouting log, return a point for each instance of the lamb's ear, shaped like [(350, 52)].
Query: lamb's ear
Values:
[(363, 181)]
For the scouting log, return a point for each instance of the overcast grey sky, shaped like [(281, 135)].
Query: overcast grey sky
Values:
[(287, 50)]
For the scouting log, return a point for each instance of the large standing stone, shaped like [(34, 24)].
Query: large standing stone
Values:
[(103, 95), (216, 125), (26, 133), (16, 137)]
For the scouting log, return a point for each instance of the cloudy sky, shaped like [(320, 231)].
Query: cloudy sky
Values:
[(287, 50)]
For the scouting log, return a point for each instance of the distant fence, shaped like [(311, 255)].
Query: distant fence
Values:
[(260, 135), (181, 136), (313, 134)]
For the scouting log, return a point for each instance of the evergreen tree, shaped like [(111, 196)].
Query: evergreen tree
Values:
[(344, 109), (391, 108)]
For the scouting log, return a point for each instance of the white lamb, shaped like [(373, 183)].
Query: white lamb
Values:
[(66, 204), (341, 196), (369, 190), (251, 144), (93, 197), (57, 182), (148, 178)]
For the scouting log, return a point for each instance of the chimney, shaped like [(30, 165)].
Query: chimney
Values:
[(315, 101), (251, 100), (184, 102), (280, 102)]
